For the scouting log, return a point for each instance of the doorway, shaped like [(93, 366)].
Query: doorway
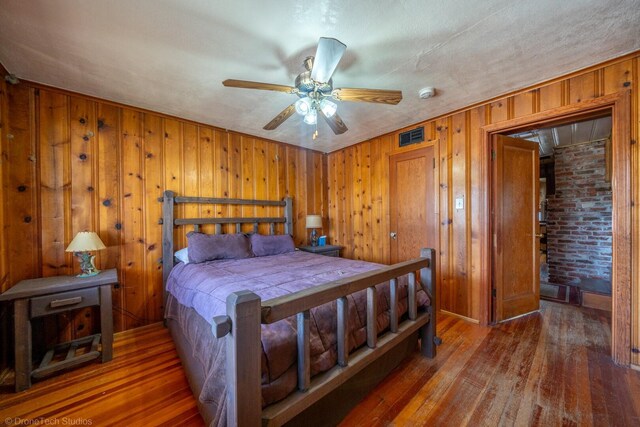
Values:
[(618, 105), (575, 211)]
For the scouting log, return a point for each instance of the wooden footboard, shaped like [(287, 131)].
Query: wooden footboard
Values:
[(246, 312)]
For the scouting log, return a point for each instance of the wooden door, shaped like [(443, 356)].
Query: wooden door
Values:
[(516, 264), (412, 197)]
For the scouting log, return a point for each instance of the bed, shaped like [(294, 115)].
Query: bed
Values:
[(288, 337)]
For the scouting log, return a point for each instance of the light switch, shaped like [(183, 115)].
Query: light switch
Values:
[(460, 203)]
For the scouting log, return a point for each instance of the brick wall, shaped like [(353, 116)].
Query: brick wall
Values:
[(579, 216)]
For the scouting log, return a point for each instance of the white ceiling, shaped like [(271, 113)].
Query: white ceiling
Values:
[(172, 56)]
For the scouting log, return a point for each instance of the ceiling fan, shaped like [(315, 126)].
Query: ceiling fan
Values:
[(314, 87)]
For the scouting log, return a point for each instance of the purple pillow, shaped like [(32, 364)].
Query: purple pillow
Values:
[(207, 247), (271, 245)]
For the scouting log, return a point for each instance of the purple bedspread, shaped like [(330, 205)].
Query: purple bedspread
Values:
[(205, 287)]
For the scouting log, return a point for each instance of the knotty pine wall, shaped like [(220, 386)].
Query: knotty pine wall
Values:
[(73, 163), (135, 152), (358, 186), (5, 313)]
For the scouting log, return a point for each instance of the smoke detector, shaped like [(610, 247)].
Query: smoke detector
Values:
[(427, 92)]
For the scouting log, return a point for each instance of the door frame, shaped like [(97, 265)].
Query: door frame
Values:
[(619, 106)]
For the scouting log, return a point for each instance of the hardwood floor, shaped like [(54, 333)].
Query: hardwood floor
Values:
[(549, 368), (144, 385)]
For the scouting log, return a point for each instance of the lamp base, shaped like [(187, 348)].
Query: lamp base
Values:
[(87, 264), (313, 238), (95, 273)]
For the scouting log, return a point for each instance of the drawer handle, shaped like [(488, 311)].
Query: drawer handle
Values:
[(65, 302)]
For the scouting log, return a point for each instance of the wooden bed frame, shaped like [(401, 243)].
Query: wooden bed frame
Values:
[(246, 312)]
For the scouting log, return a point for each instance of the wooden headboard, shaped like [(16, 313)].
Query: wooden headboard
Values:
[(169, 221)]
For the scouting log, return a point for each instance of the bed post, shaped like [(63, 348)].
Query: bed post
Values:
[(288, 216), (167, 241), (428, 282), (243, 364)]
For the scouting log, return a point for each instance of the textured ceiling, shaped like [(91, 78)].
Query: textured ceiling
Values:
[(171, 56)]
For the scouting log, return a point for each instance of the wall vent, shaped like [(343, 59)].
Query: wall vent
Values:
[(412, 136)]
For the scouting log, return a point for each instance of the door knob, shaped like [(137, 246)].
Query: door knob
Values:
[(539, 236), (394, 235)]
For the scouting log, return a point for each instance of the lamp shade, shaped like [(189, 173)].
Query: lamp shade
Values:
[(85, 241), (314, 221), (311, 118), (303, 105), (328, 108)]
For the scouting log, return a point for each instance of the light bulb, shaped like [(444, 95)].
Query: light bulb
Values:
[(303, 105), (328, 108), (311, 117)]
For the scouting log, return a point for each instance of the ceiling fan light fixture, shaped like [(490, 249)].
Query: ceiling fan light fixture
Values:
[(328, 108), (303, 106), (311, 118), (314, 87)]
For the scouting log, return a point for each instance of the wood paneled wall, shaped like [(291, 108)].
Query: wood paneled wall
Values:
[(358, 190), (635, 216), (73, 163), (5, 313)]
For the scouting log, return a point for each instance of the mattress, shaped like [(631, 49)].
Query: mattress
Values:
[(201, 290)]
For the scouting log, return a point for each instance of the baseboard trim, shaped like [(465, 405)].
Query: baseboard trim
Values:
[(460, 316)]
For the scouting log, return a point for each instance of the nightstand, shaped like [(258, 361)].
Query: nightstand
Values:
[(51, 295), (327, 250)]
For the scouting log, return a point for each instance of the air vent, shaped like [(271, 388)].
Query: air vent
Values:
[(412, 136)]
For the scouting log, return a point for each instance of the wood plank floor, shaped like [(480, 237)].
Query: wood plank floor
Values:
[(549, 368), (144, 385), (546, 369)]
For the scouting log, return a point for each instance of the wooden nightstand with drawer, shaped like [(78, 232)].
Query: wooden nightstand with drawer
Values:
[(51, 295)]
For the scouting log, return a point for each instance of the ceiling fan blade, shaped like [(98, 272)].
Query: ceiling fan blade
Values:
[(245, 84), (280, 118), (328, 54), (379, 96), (335, 123)]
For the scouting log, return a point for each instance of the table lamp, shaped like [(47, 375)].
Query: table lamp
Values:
[(314, 222), (84, 242)]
